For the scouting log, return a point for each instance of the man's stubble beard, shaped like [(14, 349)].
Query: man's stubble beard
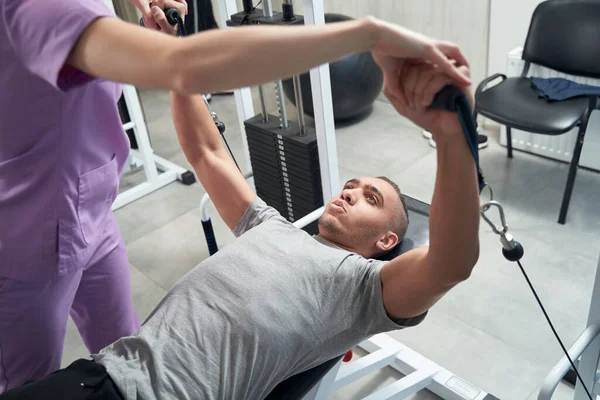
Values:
[(329, 226), (332, 228)]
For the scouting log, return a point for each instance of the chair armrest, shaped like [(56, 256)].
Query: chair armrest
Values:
[(485, 82)]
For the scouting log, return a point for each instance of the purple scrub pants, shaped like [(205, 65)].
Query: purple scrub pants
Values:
[(33, 314)]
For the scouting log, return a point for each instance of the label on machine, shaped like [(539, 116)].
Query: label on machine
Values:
[(463, 388)]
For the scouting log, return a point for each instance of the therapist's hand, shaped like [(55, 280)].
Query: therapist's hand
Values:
[(396, 44), (145, 8), (418, 83), (157, 8)]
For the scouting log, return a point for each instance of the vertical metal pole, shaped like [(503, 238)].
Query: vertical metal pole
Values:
[(247, 5), (299, 104), (323, 106), (287, 9), (263, 104), (267, 9), (267, 12), (243, 96), (141, 132), (588, 363), (283, 120)]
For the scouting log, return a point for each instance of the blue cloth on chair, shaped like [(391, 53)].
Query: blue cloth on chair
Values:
[(558, 89)]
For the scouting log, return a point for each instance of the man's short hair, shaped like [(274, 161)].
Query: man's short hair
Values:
[(400, 223)]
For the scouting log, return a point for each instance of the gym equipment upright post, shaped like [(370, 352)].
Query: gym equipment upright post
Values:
[(586, 348), (283, 153), (159, 171)]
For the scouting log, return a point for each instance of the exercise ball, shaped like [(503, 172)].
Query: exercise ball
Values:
[(356, 81)]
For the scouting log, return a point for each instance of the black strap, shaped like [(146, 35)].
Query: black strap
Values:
[(453, 99)]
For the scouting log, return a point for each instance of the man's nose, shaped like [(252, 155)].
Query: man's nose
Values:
[(348, 196)]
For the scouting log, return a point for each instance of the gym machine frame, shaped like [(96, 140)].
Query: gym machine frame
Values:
[(586, 349), (144, 155), (420, 373)]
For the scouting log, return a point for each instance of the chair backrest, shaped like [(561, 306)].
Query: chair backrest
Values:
[(564, 35)]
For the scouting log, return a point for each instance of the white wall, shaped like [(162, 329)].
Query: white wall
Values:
[(462, 21), (509, 23)]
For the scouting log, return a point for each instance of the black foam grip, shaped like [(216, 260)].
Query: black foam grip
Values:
[(447, 98), (172, 15), (209, 233), (453, 99)]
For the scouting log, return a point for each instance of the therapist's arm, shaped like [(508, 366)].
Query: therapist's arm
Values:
[(222, 59), (213, 60)]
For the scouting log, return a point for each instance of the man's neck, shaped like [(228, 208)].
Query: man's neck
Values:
[(337, 244)]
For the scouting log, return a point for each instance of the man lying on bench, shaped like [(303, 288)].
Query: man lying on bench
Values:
[(278, 301)]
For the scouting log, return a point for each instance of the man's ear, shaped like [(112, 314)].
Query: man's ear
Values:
[(387, 242)]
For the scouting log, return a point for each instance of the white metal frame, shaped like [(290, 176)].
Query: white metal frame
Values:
[(159, 171), (144, 156), (419, 373), (588, 364), (586, 348), (314, 14), (243, 96)]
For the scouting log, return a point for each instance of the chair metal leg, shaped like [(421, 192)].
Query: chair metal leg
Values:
[(572, 173), (508, 142)]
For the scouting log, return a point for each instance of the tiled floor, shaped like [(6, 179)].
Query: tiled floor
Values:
[(489, 330)]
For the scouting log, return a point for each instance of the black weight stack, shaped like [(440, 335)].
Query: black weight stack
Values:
[(286, 168)]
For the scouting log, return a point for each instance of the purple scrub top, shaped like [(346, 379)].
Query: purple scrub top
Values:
[(62, 143)]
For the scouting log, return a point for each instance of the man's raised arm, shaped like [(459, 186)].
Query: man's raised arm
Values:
[(416, 280), (201, 142)]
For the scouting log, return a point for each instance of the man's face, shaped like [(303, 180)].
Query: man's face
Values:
[(361, 215)]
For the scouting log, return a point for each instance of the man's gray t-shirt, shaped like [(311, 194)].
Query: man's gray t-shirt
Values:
[(274, 303)]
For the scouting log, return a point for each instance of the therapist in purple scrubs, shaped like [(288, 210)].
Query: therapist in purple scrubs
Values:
[(62, 147)]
